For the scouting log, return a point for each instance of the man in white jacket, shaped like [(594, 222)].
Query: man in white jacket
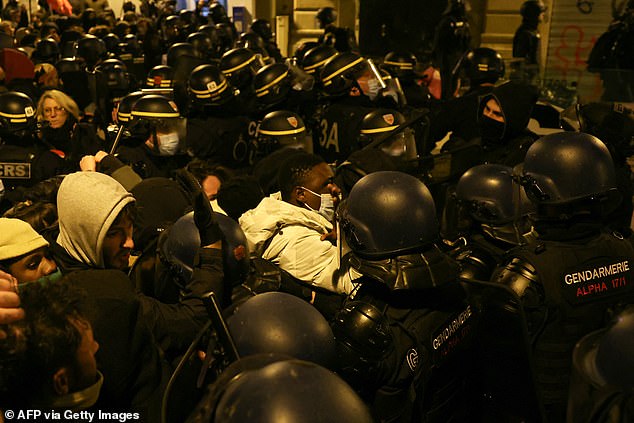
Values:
[(293, 228)]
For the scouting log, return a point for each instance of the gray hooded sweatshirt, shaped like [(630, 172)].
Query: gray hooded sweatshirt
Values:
[(87, 204)]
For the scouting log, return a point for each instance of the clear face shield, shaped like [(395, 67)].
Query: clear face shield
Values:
[(170, 136), (401, 144), (301, 81)]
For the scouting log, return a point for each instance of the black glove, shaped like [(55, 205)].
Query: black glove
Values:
[(205, 220)]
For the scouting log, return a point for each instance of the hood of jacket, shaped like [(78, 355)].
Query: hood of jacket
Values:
[(261, 223), (87, 205), (516, 101)]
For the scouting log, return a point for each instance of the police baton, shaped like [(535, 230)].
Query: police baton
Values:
[(115, 144)]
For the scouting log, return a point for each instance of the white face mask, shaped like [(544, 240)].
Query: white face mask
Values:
[(168, 144), (326, 207)]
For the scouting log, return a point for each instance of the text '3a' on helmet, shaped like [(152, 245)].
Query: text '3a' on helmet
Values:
[(209, 86), (388, 214), (17, 114), (566, 167), (339, 74)]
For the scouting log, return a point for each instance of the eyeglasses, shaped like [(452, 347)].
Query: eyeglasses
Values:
[(56, 109)]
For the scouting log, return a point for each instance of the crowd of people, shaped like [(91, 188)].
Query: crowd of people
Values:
[(196, 228)]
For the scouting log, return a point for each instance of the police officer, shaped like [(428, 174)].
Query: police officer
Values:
[(217, 128), (157, 129), (342, 39), (23, 160), (572, 272), (262, 27), (353, 91), (396, 345), (527, 39), (239, 66), (485, 218), (403, 66)]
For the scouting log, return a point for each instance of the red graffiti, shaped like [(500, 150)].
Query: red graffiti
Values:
[(572, 52)]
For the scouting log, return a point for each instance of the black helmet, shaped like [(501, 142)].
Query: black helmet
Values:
[(299, 330), (111, 64), (615, 352), (188, 20), (364, 341), (564, 167), (112, 42), (178, 50), (131, 45), (218, 13), (113, 79), (490, 195), (208, 86), (46, 51), (281, 128), (380, 122), (91, 49), (151, 113), (272, 83), (612, 123), (484, 65), (255, 43), (400, 64), (531, 9), (315, 58), (17, 115), (226, 37), (70, 64), (239, 66), (122, 28), (262, 27), (161, 76), (289, 391), (326, 15), (180, 243), (339, 73), (201, 42), (124, 109), (388, 214), (302, 49)]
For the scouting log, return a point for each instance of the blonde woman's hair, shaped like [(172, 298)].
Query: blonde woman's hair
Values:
[(62, 99)]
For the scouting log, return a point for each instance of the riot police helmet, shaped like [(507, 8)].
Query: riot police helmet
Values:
[(282, 128), (276, 322), (113, 78), (326, 16), (17, 115), (201, 42), (615, 352), (122, 28), (112, 42), (179, 245), (388, 214), (226, 36), (131, 45), (124, 108), (262, 27), (303, 391), (179, 50), (70, 64), (209, 86), (272, 83), (531, 9), (218, 13), (340, 73), (484, 65), (302, 49), (612, 123), (239, 65), (151, 114), (489, 194), (315, 58), (400, 64), (567, 167), (255, 43), (160, 76), (380, 122), (46, 51), (91, 49)]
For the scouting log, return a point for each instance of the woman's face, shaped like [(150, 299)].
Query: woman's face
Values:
[(54, 113)]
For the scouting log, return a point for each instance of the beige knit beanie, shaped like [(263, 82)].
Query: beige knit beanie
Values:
[(18, 238)]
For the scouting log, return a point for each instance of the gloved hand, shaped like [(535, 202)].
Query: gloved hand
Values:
[(205, 220)]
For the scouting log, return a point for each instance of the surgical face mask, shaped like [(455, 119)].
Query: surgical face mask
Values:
[(168, 144), (326, 207)]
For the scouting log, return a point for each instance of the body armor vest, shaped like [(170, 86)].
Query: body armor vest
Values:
[(582, 283)]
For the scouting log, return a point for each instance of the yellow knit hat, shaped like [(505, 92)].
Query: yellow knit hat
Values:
[(18, 238)]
